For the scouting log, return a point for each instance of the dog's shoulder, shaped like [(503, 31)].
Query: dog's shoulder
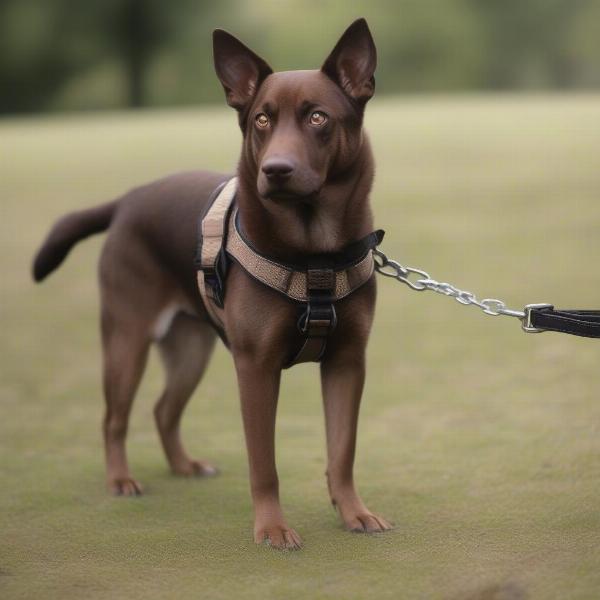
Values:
[(162, 217)]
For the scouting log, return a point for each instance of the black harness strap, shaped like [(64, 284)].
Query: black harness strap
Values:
[(585, 323), (319, 319), (345, 258), (356, 250)]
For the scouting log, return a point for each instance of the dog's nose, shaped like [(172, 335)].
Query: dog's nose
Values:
[(277, 168)]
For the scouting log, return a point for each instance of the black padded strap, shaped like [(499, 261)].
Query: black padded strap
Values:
[(343, 259), (584, 323), (356, 250)]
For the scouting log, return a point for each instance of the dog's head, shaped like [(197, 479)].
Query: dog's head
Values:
[(301, 128)]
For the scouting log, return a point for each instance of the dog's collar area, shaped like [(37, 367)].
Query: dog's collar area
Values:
[(320, 276), (315, 285), (343, 259)]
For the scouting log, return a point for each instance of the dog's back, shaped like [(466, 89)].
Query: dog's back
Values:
[(160, 217)]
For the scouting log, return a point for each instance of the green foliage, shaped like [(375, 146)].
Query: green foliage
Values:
[(70, 54), (36, 57)]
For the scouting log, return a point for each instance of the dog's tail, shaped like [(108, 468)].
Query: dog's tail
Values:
[(66, 232)]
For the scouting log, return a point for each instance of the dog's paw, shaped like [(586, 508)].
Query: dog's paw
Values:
[(125, 486), (367, 522), (196, 468), (278, 536)]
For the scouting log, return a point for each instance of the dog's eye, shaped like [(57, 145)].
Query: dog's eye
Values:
[(318, 118), (262, 120)]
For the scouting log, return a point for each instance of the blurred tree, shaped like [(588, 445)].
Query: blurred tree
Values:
[(44, 44), (95, 53), (525, 42), (33, 57), (137, 29)]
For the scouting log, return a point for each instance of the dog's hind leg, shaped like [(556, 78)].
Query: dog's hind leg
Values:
[(125, 346), (185, 350)]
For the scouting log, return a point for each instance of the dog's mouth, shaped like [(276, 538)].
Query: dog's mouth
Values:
[(280, 195), (283, 194), (302, 189)]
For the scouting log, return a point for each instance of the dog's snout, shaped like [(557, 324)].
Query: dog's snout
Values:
[(277, 168)]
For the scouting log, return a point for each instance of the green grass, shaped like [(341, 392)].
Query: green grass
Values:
[(480, 442)]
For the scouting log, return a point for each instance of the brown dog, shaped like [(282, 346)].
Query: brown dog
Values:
[(304, 176)]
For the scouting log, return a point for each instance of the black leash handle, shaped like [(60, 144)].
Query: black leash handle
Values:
[(544, 317)]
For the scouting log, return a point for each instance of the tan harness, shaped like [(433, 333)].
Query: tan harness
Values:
[(315, 287)]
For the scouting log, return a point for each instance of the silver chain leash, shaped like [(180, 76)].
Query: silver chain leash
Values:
[(420, 281)]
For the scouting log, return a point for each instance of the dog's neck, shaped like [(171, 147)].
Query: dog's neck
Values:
[(340, 215)]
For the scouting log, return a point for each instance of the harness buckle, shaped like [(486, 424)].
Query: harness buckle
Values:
[(318, 320)]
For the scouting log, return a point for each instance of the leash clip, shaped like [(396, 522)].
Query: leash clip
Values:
[(526, 323)]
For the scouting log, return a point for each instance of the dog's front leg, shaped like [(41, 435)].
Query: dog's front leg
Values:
[(259, 390), (342, 380)]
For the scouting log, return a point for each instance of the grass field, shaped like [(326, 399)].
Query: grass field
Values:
[(480, 442)]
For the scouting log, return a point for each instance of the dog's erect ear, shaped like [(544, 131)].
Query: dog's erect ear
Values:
[(240, 70), (352, 62)]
